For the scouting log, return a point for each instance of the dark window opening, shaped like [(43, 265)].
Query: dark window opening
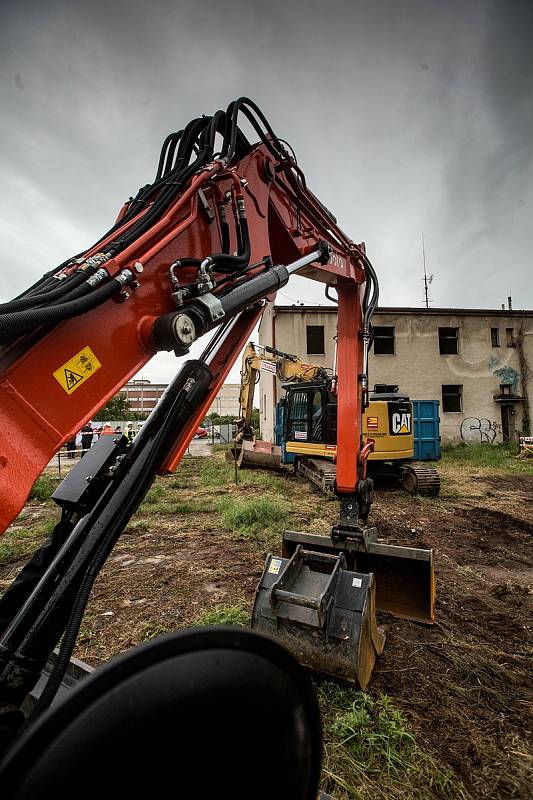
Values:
[(495, 337), (448, 341), (509, 337), (315, 340), (452, 398), (383, 340), (505, 389)]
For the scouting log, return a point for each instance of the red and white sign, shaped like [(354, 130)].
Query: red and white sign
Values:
[(269, 366), (372, 423)]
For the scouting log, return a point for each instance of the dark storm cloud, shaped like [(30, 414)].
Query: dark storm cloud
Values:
[(407, 117)]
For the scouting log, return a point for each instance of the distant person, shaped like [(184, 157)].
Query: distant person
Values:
[(107, 430), (71, 447), (130, 432), (118, 429), (86, 437)]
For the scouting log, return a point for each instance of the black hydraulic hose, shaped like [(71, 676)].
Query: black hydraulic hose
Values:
[(101, 527), (62, 287), (225, 263), (78, 291), (12, 325), (224, 229)]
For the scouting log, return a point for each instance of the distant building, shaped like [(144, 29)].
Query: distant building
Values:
[(143, 396), (468, 359), (226, 403)]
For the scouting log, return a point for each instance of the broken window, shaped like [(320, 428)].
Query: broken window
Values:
[(383, 340), (452, 398), (448, 341), (495, 337)]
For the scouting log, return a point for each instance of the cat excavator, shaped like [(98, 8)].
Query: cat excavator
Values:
[(307, 421), (202, 248)]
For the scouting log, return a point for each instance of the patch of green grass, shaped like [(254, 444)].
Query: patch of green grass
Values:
[(154, 494), (273, 482), (150, 631), (495, 456), (43, 488), (371, 752), (180, 482), (217, 472), (19, 543), (224, 615), (252, 517)]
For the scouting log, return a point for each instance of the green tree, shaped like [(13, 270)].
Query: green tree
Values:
[(117, 408)]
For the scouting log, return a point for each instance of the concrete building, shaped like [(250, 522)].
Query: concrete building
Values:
[(226, 403), (475, 362), (143, 396)]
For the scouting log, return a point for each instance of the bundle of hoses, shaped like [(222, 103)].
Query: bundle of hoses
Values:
[(81, 284)]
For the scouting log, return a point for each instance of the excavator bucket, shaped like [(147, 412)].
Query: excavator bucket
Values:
[(255, 454), (405, 577), (322, 612)]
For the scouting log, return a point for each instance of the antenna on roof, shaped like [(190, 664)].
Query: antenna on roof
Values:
[(427, 279)]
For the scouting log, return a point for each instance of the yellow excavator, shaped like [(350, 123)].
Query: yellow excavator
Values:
[(307, 425)]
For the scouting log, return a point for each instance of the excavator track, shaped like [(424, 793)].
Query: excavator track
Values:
[(418, 478), (321, 473)]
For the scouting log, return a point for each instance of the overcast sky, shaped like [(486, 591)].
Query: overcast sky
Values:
[(407, 117)]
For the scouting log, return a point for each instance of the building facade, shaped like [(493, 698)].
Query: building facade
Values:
[(475, 362), (143, 396), (226, 403)]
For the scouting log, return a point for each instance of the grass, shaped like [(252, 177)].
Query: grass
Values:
[(371, 752), (217, 473), (482, 456), (224, 615), (43, 488), (18, 543), (252, 517)]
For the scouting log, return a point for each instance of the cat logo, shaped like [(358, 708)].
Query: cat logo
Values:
[(401, 423)]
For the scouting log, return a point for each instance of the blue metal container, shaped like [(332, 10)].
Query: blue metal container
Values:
[(426, 430), (286, 458)]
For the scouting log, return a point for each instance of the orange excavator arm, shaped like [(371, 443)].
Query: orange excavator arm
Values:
[(72, 342), (201, 249)]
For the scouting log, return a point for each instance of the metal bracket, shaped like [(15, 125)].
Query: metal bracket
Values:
[(213, 305)]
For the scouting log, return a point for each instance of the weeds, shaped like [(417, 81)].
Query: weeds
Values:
[(224, 615), (500, 456), (154, 494), (370, 751), (18, 543), (252, 517), (217, 473), (43, 488), (150, 631)]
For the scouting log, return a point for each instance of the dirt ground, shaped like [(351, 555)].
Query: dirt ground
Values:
[(464, 684)]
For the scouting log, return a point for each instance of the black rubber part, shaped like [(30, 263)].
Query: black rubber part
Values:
[(212, 712)]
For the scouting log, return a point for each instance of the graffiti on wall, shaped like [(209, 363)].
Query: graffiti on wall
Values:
[(480, 430)]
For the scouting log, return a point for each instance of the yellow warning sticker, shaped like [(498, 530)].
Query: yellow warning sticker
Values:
[(77, 370)]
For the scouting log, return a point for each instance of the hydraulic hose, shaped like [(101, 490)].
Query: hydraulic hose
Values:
[(11, 325), (64, 287)]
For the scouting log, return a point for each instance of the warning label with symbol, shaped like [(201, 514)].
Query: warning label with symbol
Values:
[(77, 370)]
